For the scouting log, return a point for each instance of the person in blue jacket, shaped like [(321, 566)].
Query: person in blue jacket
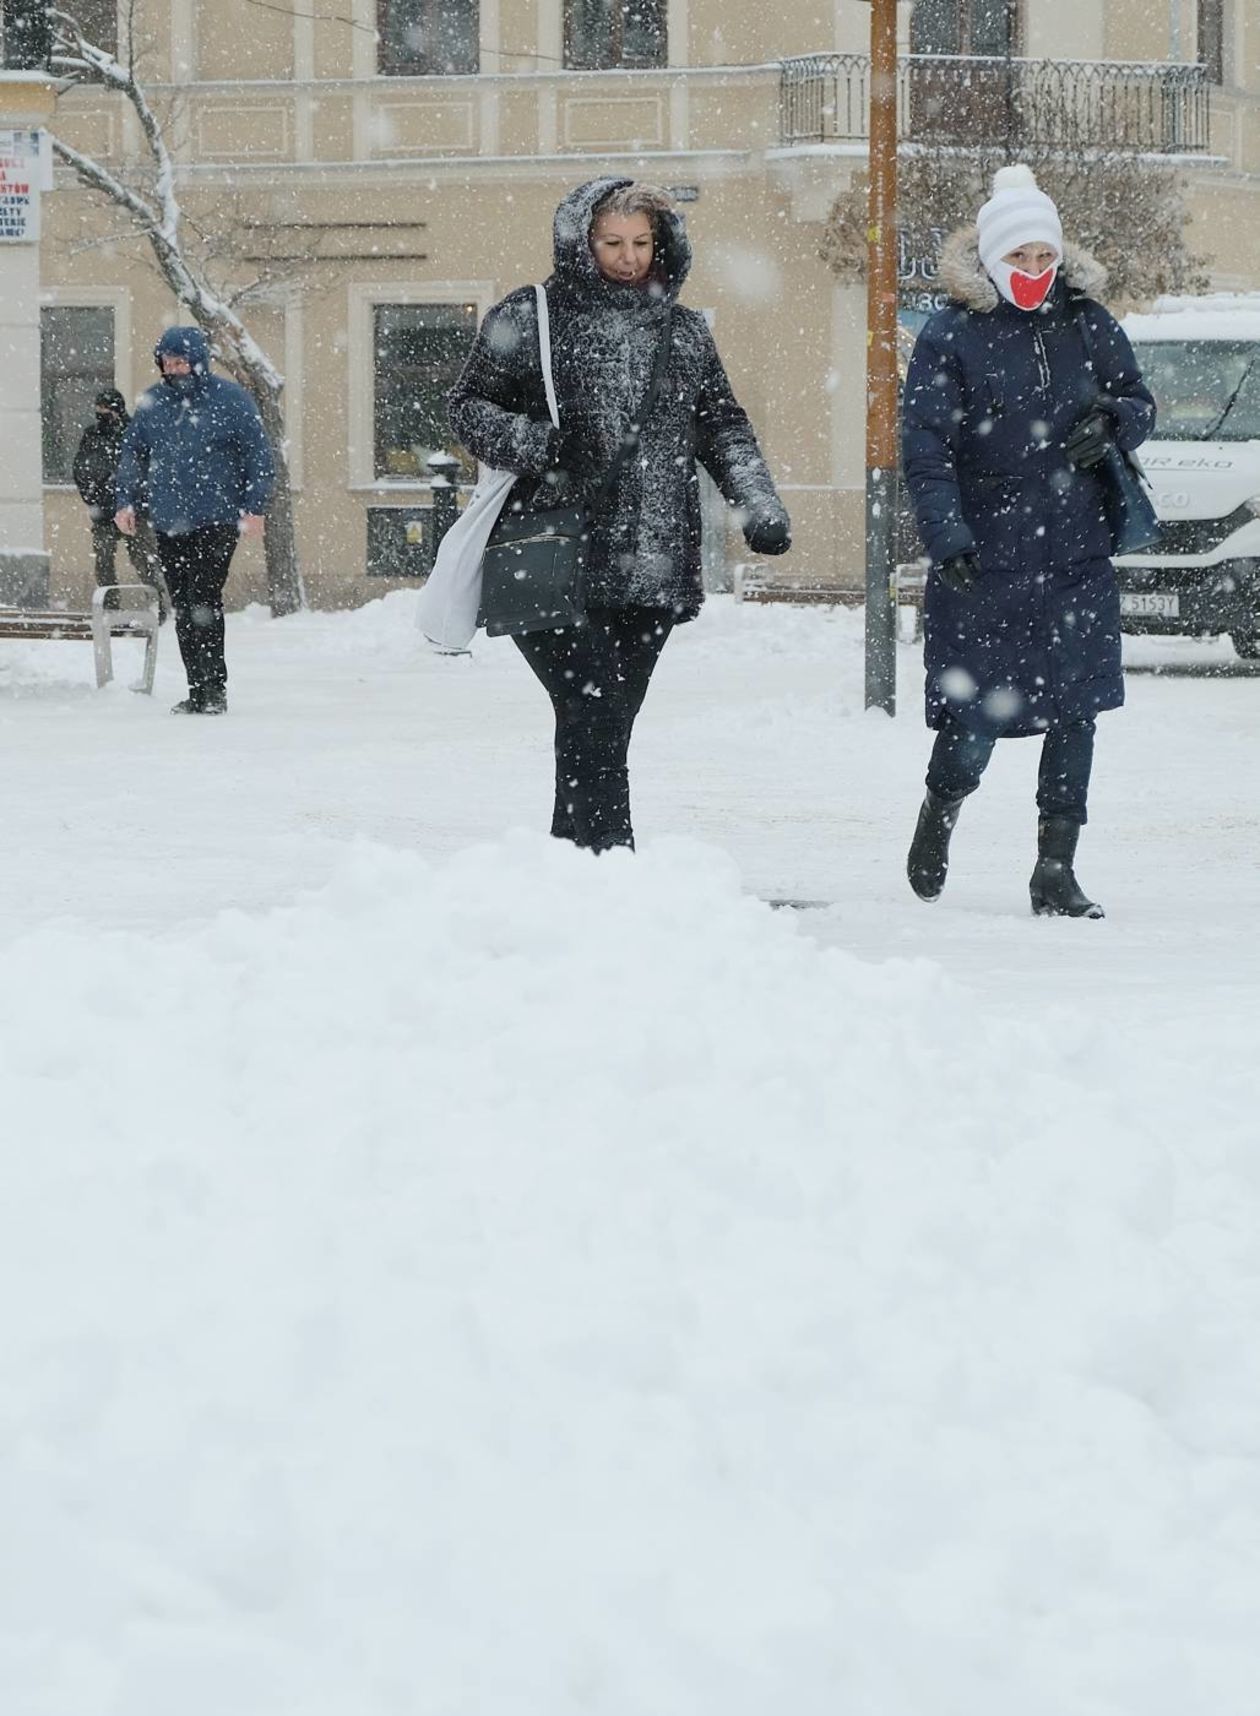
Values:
[(196, 451), (1016, 392)]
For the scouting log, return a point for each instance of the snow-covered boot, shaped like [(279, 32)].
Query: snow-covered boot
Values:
[(1054, 890), (928, 862)]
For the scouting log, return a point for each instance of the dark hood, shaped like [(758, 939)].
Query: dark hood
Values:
[(571, 235), (109, 399), (188, 343)]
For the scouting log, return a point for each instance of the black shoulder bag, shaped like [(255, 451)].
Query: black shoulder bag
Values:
[(1131, 516), (533, 569)]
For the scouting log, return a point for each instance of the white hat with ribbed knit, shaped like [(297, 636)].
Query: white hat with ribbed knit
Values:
[(1019, 212)]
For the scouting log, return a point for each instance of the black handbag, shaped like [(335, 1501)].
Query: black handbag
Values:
[(532, 572), (1127, 503), (1131, 515)]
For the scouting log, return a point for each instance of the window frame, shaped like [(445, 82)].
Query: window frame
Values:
[(364, 299), (615, 60), (417, 66), (1211, 38), (114, 298), (405, 397), (965, 12)]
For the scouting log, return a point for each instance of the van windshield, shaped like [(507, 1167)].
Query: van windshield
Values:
[(1206, 390)]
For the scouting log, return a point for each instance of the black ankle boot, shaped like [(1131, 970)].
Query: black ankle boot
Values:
[(928, 862), (1054, 890)]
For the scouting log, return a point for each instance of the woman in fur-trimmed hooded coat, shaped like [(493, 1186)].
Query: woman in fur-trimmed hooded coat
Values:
[(1009, 409), (621, 257)]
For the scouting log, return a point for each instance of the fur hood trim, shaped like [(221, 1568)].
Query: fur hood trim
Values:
[(963, 276)]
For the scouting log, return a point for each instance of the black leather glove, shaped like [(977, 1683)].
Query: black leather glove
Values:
[(575, 455), (1087, 442), (959, 573), (768, 534)]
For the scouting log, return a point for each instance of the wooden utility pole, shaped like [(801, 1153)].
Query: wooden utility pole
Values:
[(881, 366)]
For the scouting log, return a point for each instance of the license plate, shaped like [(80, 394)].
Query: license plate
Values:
[(1158, 604)]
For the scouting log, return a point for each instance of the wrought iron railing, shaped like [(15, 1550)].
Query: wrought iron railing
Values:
[(1109, 105)]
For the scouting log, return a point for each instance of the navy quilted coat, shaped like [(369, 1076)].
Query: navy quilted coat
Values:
[(991, 394)]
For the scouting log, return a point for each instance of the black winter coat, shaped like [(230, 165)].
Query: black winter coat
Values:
[(991, 394), (645, 546), (95, 463)]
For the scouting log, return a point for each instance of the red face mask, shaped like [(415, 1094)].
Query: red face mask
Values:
[(1025, 291)]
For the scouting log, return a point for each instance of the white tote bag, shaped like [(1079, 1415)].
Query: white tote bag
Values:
[(451, 600)]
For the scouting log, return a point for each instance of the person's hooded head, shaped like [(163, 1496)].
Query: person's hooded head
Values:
[(110, 408), (183, 357), (1020, 238), (618, 239)]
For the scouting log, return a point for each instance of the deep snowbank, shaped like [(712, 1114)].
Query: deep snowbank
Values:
[(528, 1285)]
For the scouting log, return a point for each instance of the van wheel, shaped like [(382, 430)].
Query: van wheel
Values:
[(1247, 644)]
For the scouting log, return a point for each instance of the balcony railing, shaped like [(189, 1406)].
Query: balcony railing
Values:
[(1108, 105)]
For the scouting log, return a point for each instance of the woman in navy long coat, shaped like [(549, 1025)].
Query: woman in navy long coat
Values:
[(1015, 391)]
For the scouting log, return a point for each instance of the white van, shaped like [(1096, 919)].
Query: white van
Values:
[(1201, 359)]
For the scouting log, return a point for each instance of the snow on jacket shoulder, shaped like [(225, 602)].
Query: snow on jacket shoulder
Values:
[(197, 455), (498, 407)]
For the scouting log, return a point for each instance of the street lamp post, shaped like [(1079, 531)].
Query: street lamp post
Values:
[(881, 365)]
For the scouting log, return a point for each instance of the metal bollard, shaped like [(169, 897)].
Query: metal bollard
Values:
[(442, 468)]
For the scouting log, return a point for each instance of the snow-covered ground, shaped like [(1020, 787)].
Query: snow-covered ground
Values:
[(447, 1275)]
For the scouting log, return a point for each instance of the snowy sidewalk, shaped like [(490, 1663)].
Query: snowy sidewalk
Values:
[(448, 1275), (754, 741)]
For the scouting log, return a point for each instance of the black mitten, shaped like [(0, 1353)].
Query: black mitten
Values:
[(768, 534)]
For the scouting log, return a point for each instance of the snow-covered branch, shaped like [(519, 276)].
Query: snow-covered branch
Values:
[(71, 46), (159, 216)]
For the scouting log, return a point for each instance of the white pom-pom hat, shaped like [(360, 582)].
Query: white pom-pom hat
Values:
[(1019, 212)]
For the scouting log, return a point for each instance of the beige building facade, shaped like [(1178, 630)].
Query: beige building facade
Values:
[(386, 169)]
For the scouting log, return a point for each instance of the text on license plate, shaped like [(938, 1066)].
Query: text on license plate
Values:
[(1162, 604)]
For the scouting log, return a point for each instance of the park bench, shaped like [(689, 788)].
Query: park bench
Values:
[(909, 581), (118, 611)]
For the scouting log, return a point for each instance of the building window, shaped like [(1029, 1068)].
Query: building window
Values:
[(599, 34), (1212, 38), (980, 28), (27, 32), (98, 19), (418, 351), (76, 348), (427, 38)]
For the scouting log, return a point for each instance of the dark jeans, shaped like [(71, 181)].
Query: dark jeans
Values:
[(596, 676), (196, 567), (141, 551), (961, 755)]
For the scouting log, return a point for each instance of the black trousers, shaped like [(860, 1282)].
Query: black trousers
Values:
[(596, 676), (141, 551), (196, 567), (961, 755)]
